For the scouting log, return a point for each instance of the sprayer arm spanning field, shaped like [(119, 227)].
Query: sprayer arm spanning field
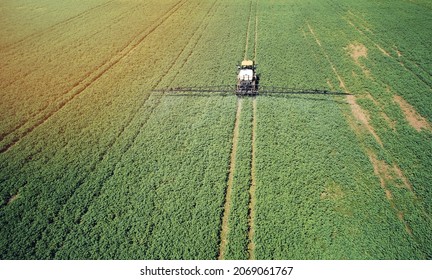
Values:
[(262, 90)]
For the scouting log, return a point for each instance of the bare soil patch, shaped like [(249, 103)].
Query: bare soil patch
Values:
[(381, 170), (356, 51), (388, 173), (13, 198), (407, 227), (401, 176), (333, 192), (362, 116), (399, 53), (411, 115)]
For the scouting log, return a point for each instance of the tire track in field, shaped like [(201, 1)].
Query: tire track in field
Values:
[(248, 31), (81, 181), (52, 27), (224, 230), (118, 137), (82, 85), (252, 189), (125, 149), (196, 42), (227, 202)]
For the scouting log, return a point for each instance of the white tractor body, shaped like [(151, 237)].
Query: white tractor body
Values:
[(246, 75)]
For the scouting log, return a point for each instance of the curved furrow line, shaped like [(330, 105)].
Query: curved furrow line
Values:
[(52, 27), (82, 85)]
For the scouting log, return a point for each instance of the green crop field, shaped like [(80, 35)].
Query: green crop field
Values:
[(95, 164)]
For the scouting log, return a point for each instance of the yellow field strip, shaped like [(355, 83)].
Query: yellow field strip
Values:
[(82, 85), (52, 27)]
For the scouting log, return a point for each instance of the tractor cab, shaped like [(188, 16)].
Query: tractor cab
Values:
[(246, 78)]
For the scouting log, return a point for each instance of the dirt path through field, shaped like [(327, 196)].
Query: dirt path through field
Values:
[(252, 189), (252, 197), (251, 27), (227, 204), (248, 31)]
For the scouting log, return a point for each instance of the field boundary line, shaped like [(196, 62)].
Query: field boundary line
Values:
[(227, 202), (252, 189), (82, 85), (42, 32)]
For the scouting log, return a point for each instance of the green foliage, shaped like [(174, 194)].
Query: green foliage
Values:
[(94, 165)]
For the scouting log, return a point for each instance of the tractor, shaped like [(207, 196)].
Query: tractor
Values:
[(247, 80)]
